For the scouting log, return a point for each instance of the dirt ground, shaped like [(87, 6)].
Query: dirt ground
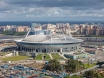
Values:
[(35, 65)]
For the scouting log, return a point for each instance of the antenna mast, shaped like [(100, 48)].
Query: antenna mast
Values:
[(70, 35), (64, 35), (27, 33), (51, 36)]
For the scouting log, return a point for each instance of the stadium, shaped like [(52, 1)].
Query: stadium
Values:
[(44, 41)]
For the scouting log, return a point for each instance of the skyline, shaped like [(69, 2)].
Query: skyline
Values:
[(51, 10)]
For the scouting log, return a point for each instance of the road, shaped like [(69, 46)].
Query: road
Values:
[(78, 73), (4, 38)]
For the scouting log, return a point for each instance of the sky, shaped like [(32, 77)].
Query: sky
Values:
[(51, 10)]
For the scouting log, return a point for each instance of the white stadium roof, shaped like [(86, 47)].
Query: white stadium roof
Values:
[(50, 39)]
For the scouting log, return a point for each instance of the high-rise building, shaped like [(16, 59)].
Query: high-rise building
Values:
[(35, 25)]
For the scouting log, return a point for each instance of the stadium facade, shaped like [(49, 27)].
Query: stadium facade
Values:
[(45, 41)]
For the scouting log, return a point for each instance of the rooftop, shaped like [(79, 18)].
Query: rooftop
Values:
[(47, 37)]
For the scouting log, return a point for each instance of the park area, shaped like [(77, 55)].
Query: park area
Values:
[(47, 57), (15, 58), (39, 57), (56, 56), (89, 65)]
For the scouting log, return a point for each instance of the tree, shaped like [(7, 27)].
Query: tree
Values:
[(93, 74), (73, 65), (53, 65), (89, 74)]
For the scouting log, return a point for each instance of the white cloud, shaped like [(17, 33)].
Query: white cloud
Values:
[(56, 12), (2, 15), (31, 9), (17, 9), (8, 11), (3, 4), (29, 16), (49, 14)]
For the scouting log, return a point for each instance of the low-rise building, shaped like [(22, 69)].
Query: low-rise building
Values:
[(91, 51), (76, 55)]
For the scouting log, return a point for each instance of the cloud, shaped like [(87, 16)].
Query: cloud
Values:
[(57, 3), (28, 16), (51, 9)]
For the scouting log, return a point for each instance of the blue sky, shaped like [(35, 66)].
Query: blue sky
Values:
[(51, 10)]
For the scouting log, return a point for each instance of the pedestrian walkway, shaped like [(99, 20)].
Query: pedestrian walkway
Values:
[(61, 55), (50, 56)]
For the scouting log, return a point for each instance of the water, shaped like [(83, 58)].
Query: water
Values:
[(28, 23)]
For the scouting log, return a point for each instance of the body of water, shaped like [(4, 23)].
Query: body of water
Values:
[(28, 23)]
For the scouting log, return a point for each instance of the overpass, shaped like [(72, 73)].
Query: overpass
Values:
[(8, 39), (8, 48)]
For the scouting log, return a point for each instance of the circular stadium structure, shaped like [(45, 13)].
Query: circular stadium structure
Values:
[(45, 41)]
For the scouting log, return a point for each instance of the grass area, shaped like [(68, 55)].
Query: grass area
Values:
[(89, 65), (38, 57), (47, 57), (56, 56), (15, 58)]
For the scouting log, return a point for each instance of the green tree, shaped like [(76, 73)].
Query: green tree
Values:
[(8, 32), (20, 33), (73, 65), (53, 65), (13, 33), (89, 74)]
